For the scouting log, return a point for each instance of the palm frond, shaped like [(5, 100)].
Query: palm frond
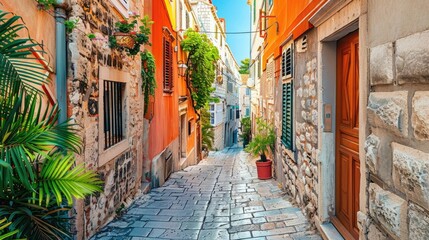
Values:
[(59, 178)]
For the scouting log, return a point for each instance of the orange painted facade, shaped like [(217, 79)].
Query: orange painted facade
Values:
[(288, 19), (164, 126)]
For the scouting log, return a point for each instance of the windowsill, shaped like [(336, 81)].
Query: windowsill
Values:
[(112, 152)]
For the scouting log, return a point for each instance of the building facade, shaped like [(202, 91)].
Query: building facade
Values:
[(224, 112)]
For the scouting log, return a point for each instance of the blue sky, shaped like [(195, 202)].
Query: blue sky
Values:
[(236, 14)]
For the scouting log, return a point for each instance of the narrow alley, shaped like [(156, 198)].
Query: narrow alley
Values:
[(220, 198)]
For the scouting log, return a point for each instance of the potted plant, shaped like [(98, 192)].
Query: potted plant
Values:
[(262, 144), (246, 131), (129, 36)]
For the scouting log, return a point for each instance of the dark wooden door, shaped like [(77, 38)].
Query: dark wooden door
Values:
[(347, 137)]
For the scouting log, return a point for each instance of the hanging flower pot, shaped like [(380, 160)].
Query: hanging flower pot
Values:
[(126, 40)]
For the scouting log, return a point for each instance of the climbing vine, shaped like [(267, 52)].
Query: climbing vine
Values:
[(45, 4), (202, 57), (148, 77)]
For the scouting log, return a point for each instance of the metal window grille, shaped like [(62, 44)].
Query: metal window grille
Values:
[(113, 113), (168, 66), (287, 115)]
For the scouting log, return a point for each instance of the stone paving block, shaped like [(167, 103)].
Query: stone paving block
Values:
[(280, 217), (140, 232), (259, 220), (163, 225), (188, 219), (268, 226), (241, 222), (215, 225), (191, 225), (213, 234), (253, 209), (266, 213), (241, 235), (168, 212), (180, 234), (155, 233), (138, 224), (155, 218), (241, 216), (143, 211), (243, 228), (277, 231)]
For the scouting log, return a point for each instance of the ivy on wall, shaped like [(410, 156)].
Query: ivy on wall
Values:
[(201, 62), (148, 77)]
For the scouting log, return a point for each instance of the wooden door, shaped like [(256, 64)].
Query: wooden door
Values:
[(347, 137)]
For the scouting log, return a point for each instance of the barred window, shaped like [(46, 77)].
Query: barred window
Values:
[(113, 96)]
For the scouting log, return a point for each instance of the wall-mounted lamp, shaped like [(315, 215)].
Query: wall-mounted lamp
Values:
[(182, 68)]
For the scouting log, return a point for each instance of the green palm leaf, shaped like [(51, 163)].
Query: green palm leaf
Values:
[(37, 164), (58, 178)]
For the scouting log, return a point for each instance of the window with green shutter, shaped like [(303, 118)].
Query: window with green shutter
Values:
[(287, 115)]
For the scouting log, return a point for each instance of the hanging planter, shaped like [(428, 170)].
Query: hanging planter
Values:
[(128, 36), (124, 40)]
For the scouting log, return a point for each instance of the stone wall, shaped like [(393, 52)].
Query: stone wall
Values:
[(121, 171), (300, 166), (397, 147)]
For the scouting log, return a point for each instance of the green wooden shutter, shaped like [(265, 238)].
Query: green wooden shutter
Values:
[(287, 115)]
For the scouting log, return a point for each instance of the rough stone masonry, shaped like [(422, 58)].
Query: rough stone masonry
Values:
[(120, 172)]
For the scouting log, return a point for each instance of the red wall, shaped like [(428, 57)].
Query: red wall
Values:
[(164, 127)]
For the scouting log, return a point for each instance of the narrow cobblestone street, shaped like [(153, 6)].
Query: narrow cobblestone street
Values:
[(220, 198)]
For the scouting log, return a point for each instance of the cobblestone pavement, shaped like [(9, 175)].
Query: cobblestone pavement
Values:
[(220, 198)]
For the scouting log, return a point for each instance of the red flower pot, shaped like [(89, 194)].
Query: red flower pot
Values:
[(264, 169)]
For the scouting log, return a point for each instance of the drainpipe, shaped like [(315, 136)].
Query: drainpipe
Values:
[(61, 59)]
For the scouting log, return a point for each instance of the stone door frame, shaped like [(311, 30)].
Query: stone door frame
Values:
[(333, 21)]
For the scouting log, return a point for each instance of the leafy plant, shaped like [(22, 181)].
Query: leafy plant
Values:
[(4, 234), (91, 36), (207, 130), (38, 172), (140, 34), (263, 142), (45, 4), (246, 130), (70, 25), (244, 67), (202, 57), (148, 77)]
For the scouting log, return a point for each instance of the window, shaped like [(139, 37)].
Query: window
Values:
[(237, 114), (247, 91), (259, 65), (123, 6), (113, 113), (247, 112), (287, 63), (168, 65), (187, 20), (287, 115), (212, 118), (231, 114)]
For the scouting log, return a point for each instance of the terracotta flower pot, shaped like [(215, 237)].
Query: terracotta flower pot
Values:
[(264, 169), (124, 40)]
